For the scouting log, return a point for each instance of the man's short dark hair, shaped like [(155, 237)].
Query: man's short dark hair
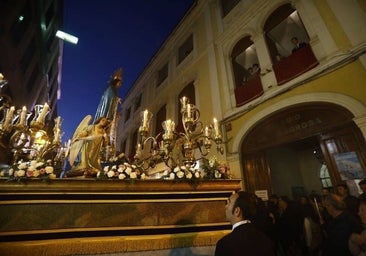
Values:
[(344, 185), (362, 182), (247, 203), (336, 201)]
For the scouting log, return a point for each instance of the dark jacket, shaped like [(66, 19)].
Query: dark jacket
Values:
[(338, 233), (245, 240)]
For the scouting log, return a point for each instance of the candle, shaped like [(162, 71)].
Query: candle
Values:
[(22, 115), (144, 119), (57, 135), (207, 131), (168, 125), (184, 101), (189, 110), (9, 117), (172, 126), (43, 113), (57, 121), (216, 126)]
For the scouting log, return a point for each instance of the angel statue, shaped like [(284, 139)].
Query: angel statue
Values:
[(86, 146)]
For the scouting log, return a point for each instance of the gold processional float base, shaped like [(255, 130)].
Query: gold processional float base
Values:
[(88, 216)]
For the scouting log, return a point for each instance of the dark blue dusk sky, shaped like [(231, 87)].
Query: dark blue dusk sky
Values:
[(112, 34)]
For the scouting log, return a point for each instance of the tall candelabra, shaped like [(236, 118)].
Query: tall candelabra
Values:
[(195, 138), (30, 139)]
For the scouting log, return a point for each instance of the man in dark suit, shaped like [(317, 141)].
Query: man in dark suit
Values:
[(245, 238), (297, 44)]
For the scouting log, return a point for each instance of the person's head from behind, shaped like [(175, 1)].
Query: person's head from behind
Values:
[(283, 203), (239, 206), (273, 199), (342, 189), (334, 204), (362, 185), (294, 40), (325, 191)]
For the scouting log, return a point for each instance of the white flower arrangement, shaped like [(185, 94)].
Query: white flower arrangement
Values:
[(182, 173), (215, 169), (121, 172), (35, 169)]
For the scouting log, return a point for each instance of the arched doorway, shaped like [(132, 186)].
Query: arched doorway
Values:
[(280, 154)]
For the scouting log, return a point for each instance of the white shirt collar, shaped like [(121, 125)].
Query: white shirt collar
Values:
[(240, 223)]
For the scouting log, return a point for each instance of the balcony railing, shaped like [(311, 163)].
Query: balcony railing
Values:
[(294, 65), (248, 91)]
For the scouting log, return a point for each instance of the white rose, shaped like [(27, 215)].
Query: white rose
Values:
[(217, 174), (52, 176), (128, 170), (22, 166), (180, 174), (33, 163), (189, 175), (183, 167), (2, 173), (20, 173), (197, 174), (49, 169), (133, 175), (35, 173), (114, 167), (143, 176), (31, 168), (122, 176), (120, 169), (106, 168), (39, 164), (172, 176), (110, 174), (176, 169), (11, 171), (165, 173), (133, 166)]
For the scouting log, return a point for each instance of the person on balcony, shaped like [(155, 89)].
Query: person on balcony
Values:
[(297, 45)]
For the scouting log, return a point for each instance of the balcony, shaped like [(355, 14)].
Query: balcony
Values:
[(248, 91), (294, 65)]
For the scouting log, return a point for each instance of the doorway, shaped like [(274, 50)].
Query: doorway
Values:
[(296, 168)]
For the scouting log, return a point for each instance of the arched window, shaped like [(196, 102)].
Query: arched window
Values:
[(288, 44), (325, 177), (246, 71)]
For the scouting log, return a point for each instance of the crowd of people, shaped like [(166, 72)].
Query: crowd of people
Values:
[(331, 223)]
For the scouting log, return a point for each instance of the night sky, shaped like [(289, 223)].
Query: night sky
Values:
[(112, 34)]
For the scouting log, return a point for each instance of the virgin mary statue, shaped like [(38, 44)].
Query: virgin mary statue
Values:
[(109, 102)]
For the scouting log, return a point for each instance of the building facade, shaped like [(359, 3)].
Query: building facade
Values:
[(31, 55), (286, 80)]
